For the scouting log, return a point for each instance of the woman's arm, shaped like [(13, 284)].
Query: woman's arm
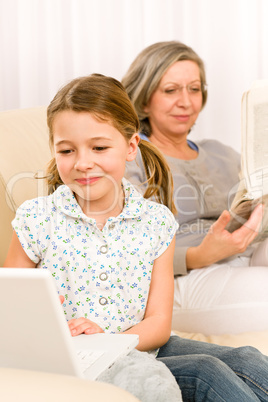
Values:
[(154, 330), (16, 256), (219, 243)]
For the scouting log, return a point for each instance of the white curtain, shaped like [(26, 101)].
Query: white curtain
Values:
[(45, 43)]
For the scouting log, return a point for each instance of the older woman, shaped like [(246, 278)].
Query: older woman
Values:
[(216, 289)]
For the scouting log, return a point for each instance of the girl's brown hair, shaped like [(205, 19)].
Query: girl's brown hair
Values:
[(106, 99)]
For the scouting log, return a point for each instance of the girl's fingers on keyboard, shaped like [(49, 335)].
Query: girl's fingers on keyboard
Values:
[(83, 325)]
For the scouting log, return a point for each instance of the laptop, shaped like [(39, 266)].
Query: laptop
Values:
[(35, 334)]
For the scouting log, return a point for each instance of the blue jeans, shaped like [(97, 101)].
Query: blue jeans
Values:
[(208, 372)]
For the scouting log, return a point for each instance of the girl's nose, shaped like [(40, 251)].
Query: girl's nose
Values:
[(84, 163)]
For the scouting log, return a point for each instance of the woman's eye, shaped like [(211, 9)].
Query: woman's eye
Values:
[(194, 89), (170, 91)]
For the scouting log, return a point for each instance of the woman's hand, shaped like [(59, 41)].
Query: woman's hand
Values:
[(219, 243), (82, 325)]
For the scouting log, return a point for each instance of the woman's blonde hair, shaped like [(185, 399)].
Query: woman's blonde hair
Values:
[(106, 99), (146, 71)]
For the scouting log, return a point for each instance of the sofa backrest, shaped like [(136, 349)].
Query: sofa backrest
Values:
[(24, 151)]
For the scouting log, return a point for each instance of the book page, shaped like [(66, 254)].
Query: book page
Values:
[(241, 212), (253, 188), (255, 139)]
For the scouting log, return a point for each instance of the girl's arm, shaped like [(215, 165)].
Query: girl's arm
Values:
[(16, 256), (154, 330)]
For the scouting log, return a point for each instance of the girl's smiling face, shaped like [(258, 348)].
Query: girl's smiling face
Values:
[(90, 156)]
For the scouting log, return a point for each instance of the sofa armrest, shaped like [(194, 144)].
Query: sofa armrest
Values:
[(31, 386)]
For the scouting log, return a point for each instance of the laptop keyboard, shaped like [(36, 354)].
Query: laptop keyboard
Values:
[(87, 357)]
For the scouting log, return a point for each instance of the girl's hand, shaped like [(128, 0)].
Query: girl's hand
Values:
[(61, 299), (219, 243), (82, 325)]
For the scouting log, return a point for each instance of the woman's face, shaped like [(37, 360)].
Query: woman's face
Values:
[(174, 107)]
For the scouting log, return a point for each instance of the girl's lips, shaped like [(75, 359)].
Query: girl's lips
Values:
[(87, 180)]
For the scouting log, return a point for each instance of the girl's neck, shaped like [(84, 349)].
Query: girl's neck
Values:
[(102, 211), (176, 147), (102, 218)]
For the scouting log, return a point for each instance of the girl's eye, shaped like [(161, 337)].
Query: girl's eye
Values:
[(65, 151), (100, 148)]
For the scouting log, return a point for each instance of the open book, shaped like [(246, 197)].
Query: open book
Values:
[(253, 187)]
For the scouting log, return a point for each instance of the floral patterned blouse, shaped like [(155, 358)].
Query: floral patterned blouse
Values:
[(105, 274)]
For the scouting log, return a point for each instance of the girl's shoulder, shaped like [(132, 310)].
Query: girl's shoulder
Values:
[(146, 207), (42, 204), (156, 207), (35, 204), (160, 218)]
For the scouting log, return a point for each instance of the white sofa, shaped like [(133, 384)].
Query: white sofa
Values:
[(23, 152)]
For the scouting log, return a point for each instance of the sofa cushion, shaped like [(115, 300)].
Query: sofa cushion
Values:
[(24, 151), (257, 339)]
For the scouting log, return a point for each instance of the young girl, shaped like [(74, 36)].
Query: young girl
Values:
[(110, 250)]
